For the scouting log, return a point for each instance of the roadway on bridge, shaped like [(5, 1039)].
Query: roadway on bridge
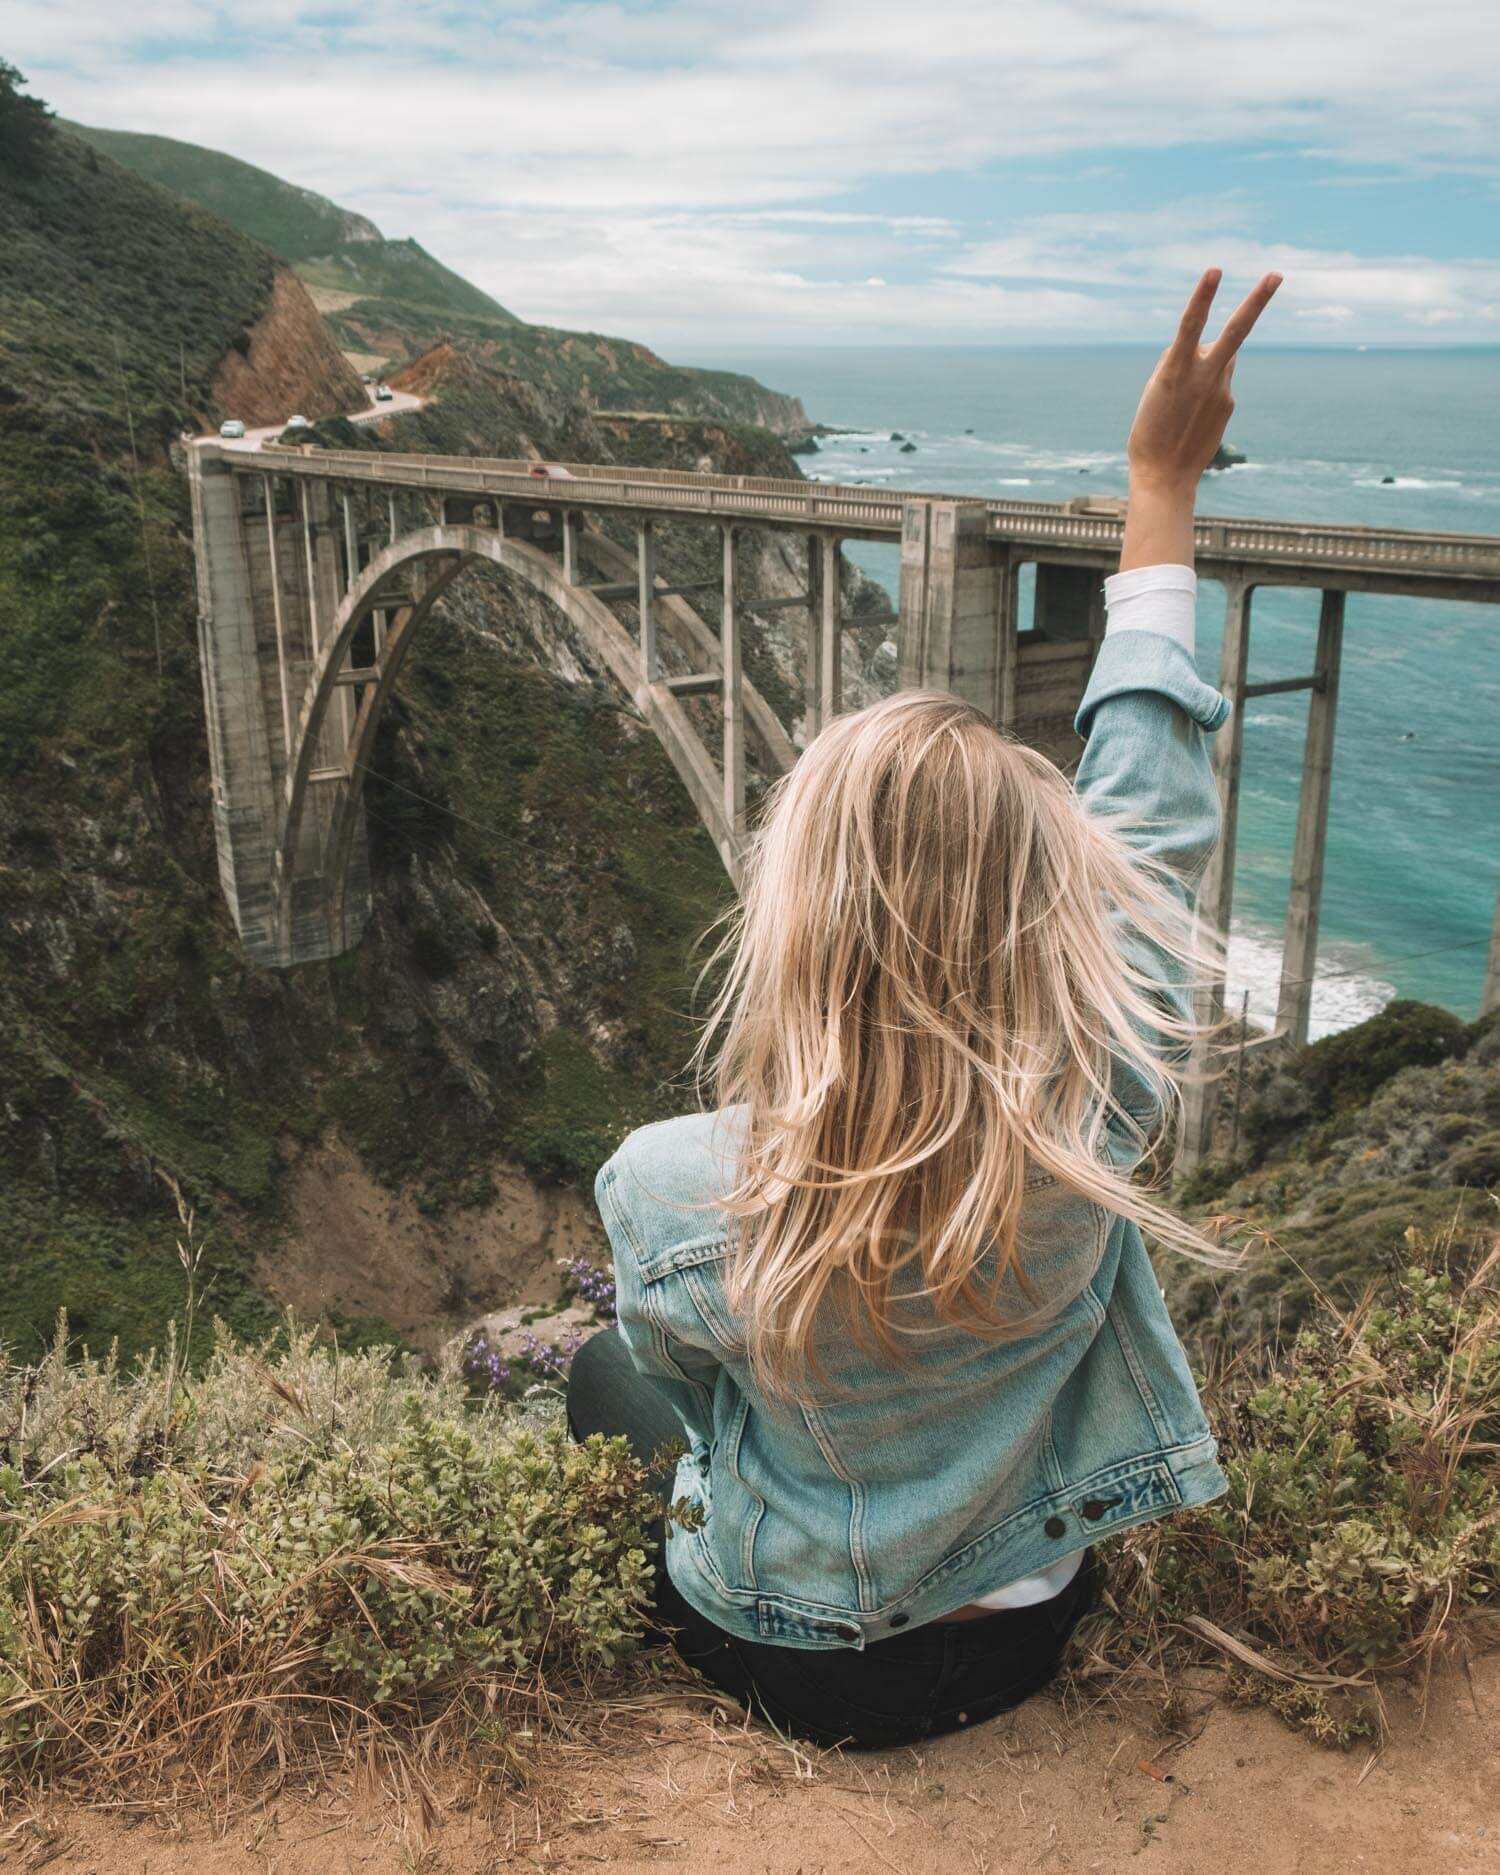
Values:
[(399, 404)]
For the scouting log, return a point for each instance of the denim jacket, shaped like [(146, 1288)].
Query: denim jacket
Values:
[(890, 1495)]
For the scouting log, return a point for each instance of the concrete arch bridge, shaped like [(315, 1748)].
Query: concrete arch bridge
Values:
[(318, 568)]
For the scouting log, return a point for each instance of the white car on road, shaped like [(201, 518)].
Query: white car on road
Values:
[(232, 427), (298, 423), (383, 393)]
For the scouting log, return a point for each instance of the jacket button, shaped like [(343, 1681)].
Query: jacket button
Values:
[(1054, 1527), (899, 1621), (1094, 1509)]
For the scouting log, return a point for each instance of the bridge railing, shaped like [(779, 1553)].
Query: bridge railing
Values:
[(817, 504), (878, 512), (1387, 549)]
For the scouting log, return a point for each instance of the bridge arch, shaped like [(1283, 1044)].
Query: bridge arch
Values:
[(437, 555)]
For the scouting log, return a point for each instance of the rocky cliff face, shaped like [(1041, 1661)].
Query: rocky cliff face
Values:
[(287, 362)]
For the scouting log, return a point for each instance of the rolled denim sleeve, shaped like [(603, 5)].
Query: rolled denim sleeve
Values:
[(1143, 662)]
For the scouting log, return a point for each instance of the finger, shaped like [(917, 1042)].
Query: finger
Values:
[(1238, 326), (1195, 315)]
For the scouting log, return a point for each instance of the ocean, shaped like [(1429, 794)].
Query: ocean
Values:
[(1414, 824)]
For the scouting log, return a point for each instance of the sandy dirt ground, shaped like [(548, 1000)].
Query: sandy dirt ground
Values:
[(680, 1786)]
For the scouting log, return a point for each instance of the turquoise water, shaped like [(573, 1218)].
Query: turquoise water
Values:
[(1414, 825)]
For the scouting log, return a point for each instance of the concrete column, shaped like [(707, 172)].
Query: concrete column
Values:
[(1300, 952), (831, 632), (351, 543), (1008, 641), (950, 602), (730, 657), (268, 486), (812, 689), (570, 545), (390, 508), (646, 601), (1216, 897), (242, 760), (323, 595), (1489, 996)]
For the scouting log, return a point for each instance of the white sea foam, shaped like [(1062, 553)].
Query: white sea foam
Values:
[(1343, 992)]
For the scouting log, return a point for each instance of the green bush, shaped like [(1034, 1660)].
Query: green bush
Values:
[(288, 1547), (1340, 1073), (1477, 1162), (1361, 1528)]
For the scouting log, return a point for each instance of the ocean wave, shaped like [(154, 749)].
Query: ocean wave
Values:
[(1343, 992)]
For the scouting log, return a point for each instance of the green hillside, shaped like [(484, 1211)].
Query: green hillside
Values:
[(330, 247), (294, 223), (405, 272)]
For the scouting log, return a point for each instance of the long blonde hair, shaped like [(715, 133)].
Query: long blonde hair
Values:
[(925, 995)]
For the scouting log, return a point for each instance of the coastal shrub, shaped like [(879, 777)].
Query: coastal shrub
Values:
[(1360, 1533), (1476, 1163), (293, 1552), (1339, 1073)]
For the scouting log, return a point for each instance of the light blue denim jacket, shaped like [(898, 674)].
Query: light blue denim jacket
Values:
[(892, 1495)]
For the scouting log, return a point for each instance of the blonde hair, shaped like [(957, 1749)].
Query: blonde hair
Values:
[(925, 994)]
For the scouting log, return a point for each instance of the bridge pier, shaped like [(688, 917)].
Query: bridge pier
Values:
[(952, 634), (1304, 902), (1216, 893), (268, 585)]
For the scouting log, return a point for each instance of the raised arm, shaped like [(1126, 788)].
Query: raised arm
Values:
[(1146, 713)]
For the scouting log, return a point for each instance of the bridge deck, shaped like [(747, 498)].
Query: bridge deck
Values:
[(1088, 531)]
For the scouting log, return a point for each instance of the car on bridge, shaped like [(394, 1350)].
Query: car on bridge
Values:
[(231, 426), (552, 472), (298, 423), (383, 393)]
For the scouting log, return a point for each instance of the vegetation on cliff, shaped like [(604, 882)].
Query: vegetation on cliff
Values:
[(296, 1553), (1345, 1146), (1360, 1534)]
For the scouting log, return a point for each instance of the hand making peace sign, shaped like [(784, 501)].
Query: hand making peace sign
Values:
[(1186, 403)]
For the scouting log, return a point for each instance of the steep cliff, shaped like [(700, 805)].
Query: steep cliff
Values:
[(287, 362)]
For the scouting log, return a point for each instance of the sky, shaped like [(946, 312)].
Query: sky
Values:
[(758, 172)]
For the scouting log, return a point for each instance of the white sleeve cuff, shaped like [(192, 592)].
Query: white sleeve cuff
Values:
[(1161, 599)]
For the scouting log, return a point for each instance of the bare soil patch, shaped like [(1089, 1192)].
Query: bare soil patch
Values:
[(357, 1247), (1040, 1792)]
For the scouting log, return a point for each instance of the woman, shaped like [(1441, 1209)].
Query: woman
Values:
[(893, 1291)]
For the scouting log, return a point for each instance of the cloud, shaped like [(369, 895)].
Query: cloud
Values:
[(598, 160), (1133, 254)]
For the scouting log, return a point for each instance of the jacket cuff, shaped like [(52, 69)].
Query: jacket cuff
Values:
[(1133, 660)]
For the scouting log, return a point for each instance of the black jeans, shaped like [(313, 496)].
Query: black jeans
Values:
[(937, 1678)]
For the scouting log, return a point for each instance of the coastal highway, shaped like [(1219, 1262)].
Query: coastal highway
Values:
[(400, 404)]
